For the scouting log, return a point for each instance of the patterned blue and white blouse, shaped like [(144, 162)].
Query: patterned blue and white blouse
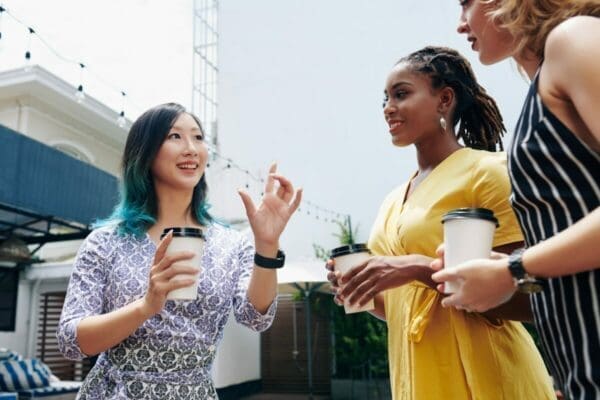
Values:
[(170, 355)]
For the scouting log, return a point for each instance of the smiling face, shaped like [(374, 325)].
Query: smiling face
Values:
[(493, 43), (410, 106), (181, 159)]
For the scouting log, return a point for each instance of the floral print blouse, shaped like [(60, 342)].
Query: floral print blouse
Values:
[(170, 355)]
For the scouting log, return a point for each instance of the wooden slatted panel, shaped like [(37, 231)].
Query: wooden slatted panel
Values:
[(280, 372), (50, 307)]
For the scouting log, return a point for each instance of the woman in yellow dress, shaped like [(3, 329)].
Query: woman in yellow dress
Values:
[(436, 352)]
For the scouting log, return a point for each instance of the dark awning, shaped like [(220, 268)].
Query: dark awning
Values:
[(46, 195)]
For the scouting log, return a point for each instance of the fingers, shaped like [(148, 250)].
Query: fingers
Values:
[(169, 259), (286, 189), (248, 203), (440, 250), (162, 247), (330, 265), (349, 275), (363, 293), (446, 275), (437, 264), (175, 270), (178, 284), (452, 300), (270, 178), (297, 199), (338, 300), (333, 277)]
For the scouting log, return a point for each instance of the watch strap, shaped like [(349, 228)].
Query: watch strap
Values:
[(515, 264), (270, 263)]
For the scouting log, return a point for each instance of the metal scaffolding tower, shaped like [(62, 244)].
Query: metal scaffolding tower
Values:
[(205, 67)]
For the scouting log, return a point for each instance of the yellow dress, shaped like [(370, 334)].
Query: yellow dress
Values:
[(443, 353)]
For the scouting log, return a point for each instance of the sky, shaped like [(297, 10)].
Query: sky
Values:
[(300, 83)]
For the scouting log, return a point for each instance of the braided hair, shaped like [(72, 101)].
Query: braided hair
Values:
[(481, 126)]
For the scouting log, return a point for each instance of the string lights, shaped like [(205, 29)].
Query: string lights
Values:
[(122, 121), (307, 208), (1, 11), (28, 50), (79, 94)]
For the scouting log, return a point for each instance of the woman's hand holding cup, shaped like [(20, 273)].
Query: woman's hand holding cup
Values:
[(160, 281), (334, 277)]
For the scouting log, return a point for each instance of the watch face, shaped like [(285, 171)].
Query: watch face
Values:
[(530, 286)]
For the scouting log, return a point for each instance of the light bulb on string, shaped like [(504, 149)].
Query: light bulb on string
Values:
[(79, 94), (28, 51), (2, 9), (122, 121)]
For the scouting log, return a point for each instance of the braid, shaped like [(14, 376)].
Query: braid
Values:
[(481, 125)]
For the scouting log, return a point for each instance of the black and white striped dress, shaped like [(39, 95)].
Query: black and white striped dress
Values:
[(555, 179)]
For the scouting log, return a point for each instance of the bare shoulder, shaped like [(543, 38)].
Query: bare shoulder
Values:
[(572, 50), (575, 37)]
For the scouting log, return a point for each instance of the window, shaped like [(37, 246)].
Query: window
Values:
[(9, 285), (47, 345)]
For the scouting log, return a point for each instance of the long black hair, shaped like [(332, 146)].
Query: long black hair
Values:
[(138, 208)]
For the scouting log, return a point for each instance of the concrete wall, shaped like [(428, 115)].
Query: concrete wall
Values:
[(238, 356)]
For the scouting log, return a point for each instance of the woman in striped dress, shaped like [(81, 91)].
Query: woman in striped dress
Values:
[(554, 167)]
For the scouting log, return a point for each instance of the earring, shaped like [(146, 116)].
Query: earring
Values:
[(443, 123)]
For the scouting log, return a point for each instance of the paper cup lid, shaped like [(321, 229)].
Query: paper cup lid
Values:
[(349, 249), (464, 213), (184, 232)]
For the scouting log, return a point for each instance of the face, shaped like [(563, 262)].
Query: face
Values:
[(410, 106), (493, 43), (181, 160)]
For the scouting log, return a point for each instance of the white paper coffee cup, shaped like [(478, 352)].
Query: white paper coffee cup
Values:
[(468, 234), (186, 239), (346, 258)]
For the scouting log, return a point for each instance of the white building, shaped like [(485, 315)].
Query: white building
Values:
[(41, 106)]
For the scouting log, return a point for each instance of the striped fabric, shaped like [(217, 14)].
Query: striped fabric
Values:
[(556, 182), (17, 375), (56, 390), (6, 354)]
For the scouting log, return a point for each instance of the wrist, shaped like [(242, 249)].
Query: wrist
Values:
[(422, 273), (143, 309), (525, 282), (266, 249)]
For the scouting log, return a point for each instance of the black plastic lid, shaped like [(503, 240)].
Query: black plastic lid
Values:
[(349, 249), (479, 213), (184, 232)]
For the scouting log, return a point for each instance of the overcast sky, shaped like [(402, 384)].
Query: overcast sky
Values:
[(300, 82)]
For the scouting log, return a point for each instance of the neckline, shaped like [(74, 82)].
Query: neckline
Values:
[(406, 198)]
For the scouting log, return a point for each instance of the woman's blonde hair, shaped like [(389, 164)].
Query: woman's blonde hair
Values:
[(530, 21)]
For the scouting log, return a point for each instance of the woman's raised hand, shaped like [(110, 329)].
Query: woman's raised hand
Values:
[(160, 281), (273, 213)]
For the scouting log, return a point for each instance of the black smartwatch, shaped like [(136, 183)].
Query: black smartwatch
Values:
[(270, 263), (524, 282)]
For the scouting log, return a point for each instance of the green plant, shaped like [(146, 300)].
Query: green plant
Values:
[(359, 338)]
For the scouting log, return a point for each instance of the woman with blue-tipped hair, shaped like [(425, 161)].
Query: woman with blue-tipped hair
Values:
[(116, 304)]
